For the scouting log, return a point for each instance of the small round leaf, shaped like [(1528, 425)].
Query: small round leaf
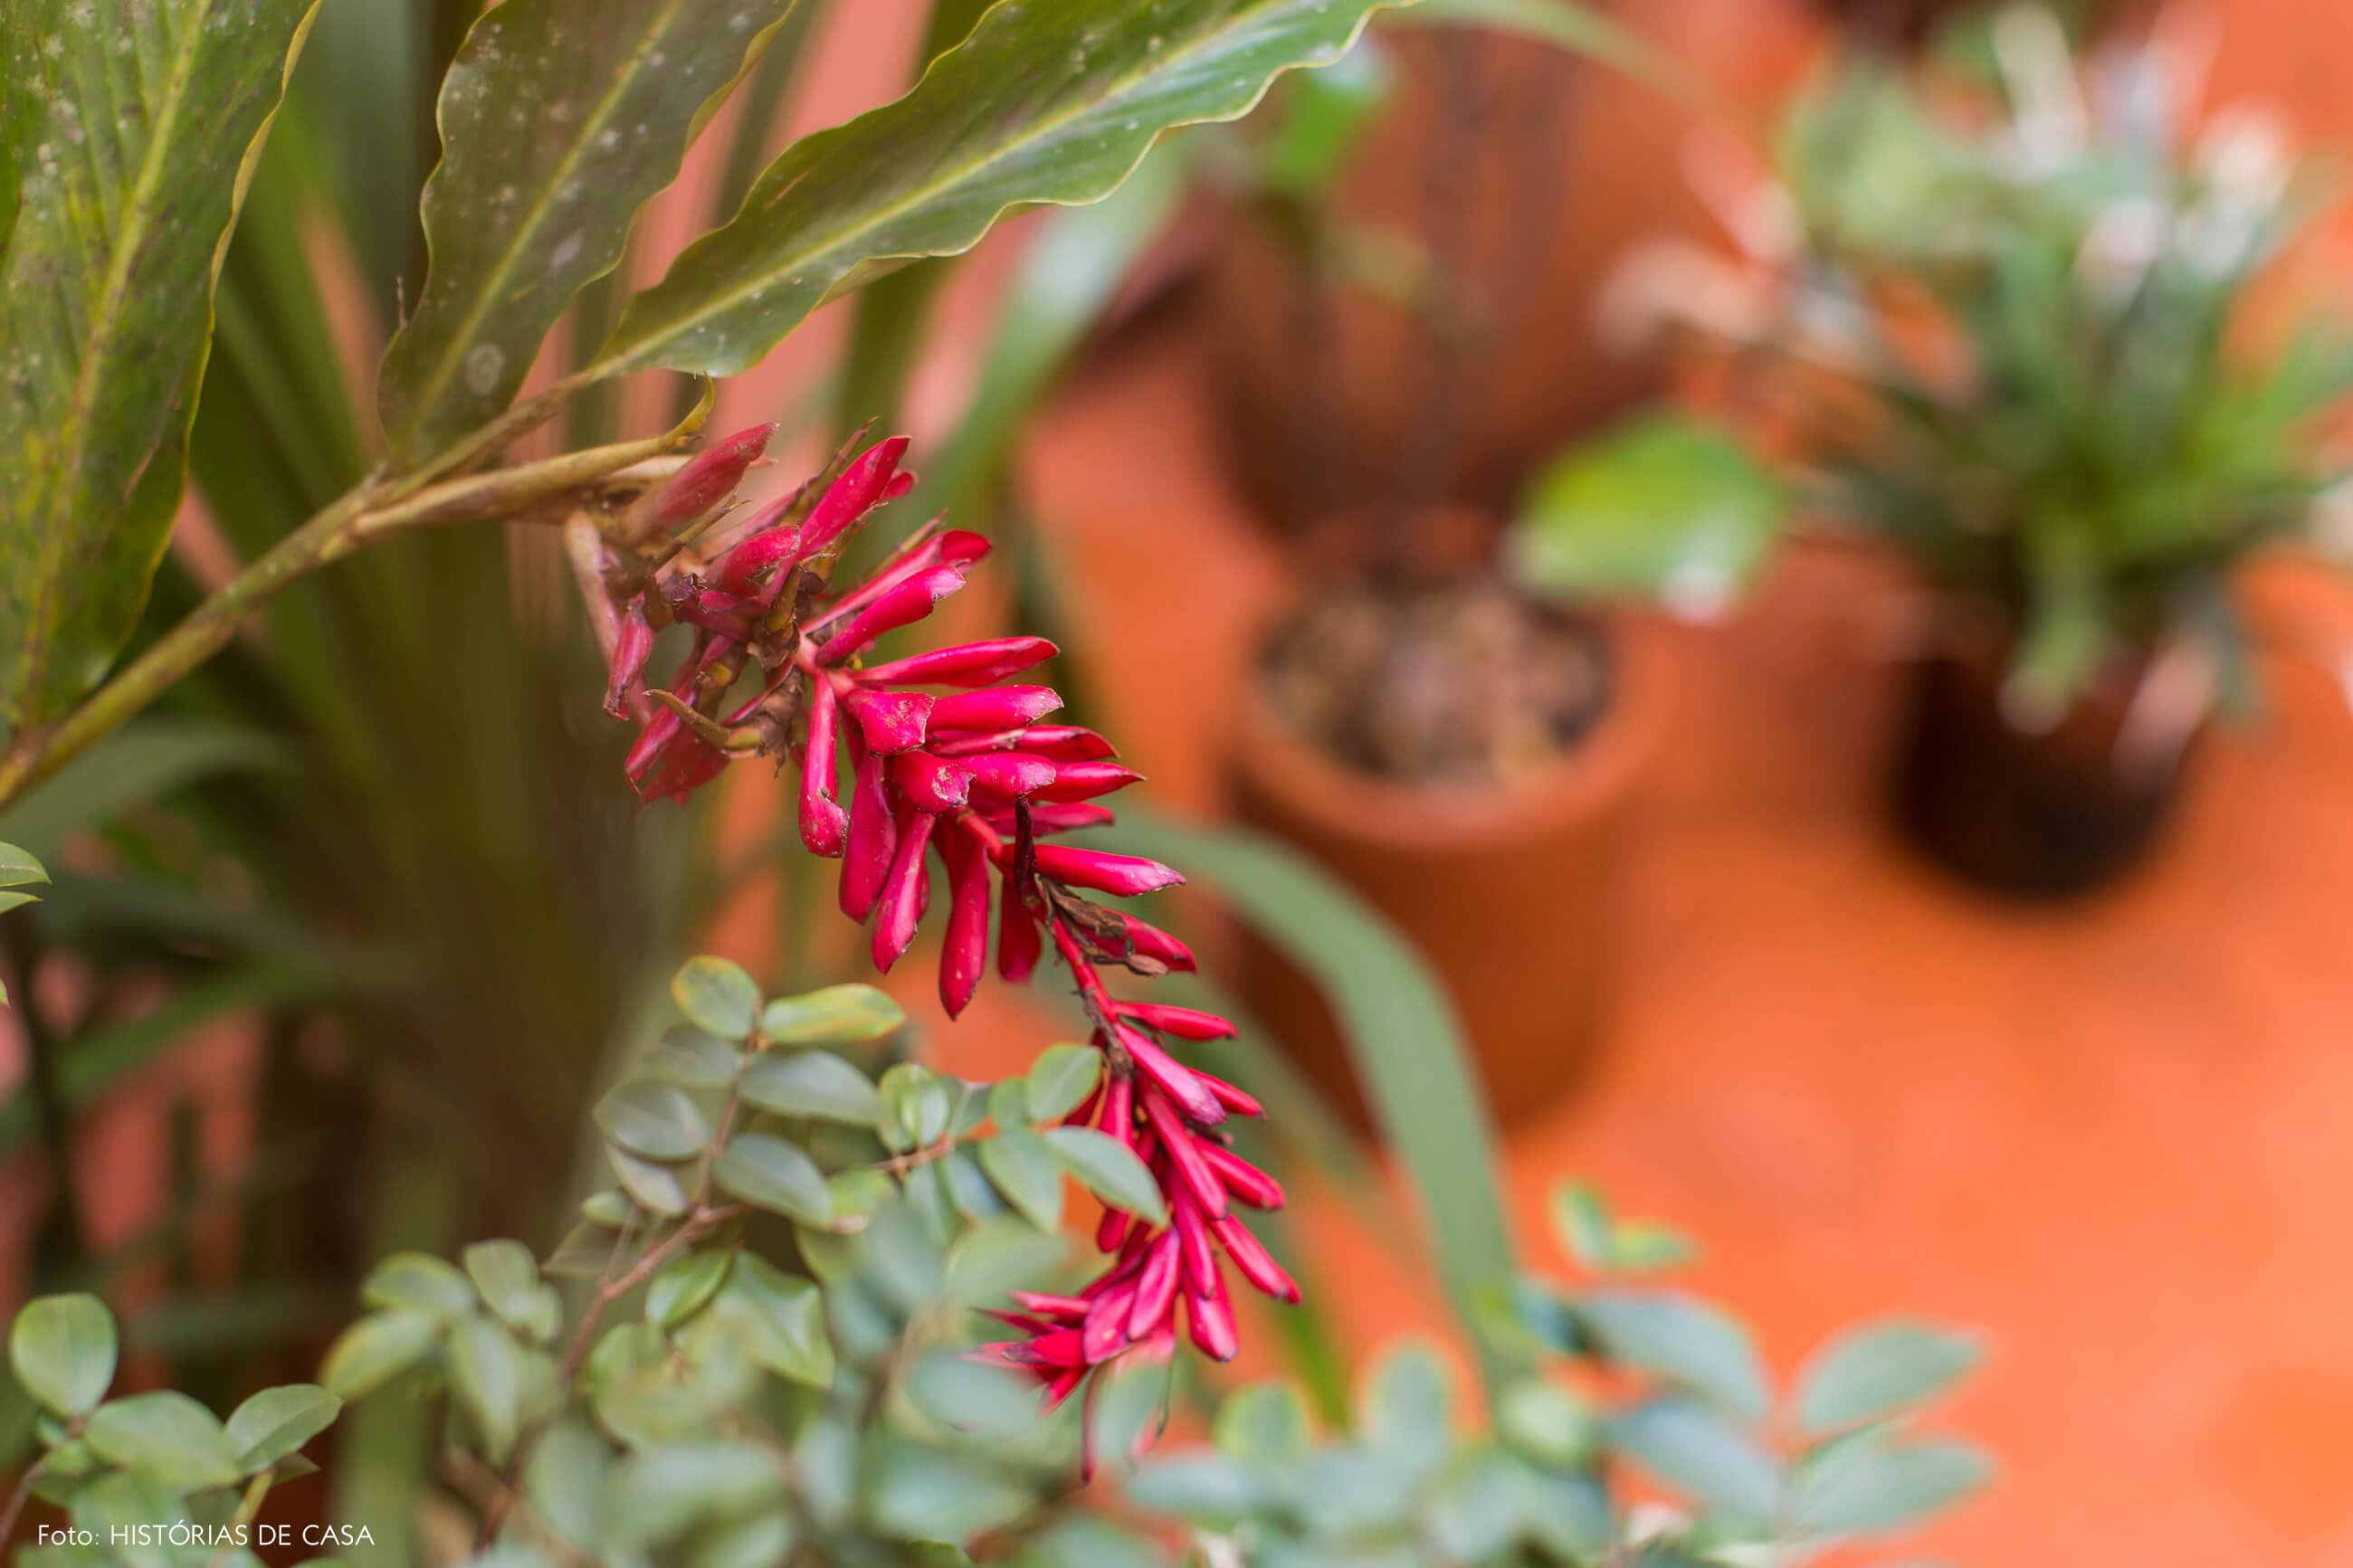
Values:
[(63, 1348), (717, 995)]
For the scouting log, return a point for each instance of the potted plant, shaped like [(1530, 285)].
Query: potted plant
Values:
[(2001, 318)]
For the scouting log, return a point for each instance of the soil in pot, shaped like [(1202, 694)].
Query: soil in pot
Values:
[(2042, 816), (1466, 759)]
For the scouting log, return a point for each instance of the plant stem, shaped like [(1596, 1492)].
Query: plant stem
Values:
[(370, 511), (700, 1222), (17, 1499)]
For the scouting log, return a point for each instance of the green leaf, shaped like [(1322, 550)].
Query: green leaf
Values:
[(929, 1495), (766, 1171), (1682, 1340), (558, 121), (486, 1368), (652, 1119), (63, 1350), (693, 1058), (1409, 1407), (144, 761), (790, 1315), (835, 1015), (1684, 1443), (133, 126), (1659, 509), (18, 868), (1642, 1246), (276, 1421), (969, 1396), (609, 1208), (1205, 1488), (1062, 1078), (1547, 1423), (658, 1495), (377, 1348), (1875, 1370), (1109, 1169), (1028, 1173), (651, 1186), (1403, 1037), (812, 1083), (507, 1275), (1580, 1221), (685, 1286), (164, 1437), (420, 1281), (917, 1104), (1009, 1103), (565, 1480), (1874, 1482), (1052, 100), (1263, 1426), (716, 994)]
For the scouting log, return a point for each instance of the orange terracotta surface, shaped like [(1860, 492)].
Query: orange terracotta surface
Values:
[(2118, 1140)]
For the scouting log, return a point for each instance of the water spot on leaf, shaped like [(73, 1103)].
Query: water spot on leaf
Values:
[(483, 364)]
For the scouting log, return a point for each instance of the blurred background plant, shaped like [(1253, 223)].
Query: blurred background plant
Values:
[(775, 1362), (2005, 314)]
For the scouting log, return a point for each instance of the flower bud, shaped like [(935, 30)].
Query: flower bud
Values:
[(755, 565), (1195, 1249), (709, 479), (997, 708), (1053, 1309), (1105, 1332), (1232, 1098), (824, 824), (905, 891), (1085, 781), (1211, 1318), (1122, 875), (964, 952), (1184, 1154), (1243, 1179), (1019, 943), (888, 721), (1057, 817), (1180, 1082), (975, 664), (1151, 941), (927, 783), (1008, 774), (1156, 1288), (908, 603), (872, 478), (1185, 1023), (874, 840), (633, 642), (1257, 1265)]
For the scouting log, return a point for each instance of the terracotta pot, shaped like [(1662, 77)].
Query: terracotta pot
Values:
[(1524, 175), (2046, 815), (1514, 893)]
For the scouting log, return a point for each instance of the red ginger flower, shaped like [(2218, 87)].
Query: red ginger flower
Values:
[(948, 760)]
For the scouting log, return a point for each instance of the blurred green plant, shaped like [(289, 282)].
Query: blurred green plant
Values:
[(1648, 1381), (2005, 309), (756, 1347)]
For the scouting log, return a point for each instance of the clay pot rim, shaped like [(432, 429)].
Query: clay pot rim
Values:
[(1604, 763)]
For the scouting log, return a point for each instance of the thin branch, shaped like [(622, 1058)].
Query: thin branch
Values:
[(371, 510)]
